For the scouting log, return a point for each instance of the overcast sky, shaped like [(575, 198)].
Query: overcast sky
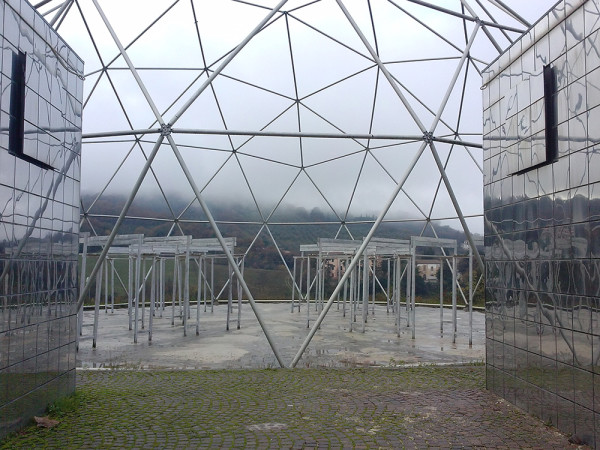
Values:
[(276, 83)]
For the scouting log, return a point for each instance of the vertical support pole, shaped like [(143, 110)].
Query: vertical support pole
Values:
[(442, 262), (322, 291), (229, 294), (357, 294), (186, 280), (396, 283), (202, 286), (138, 268), (174, 289), (143, 302), (374, 282), (365, 291), (454, 297), (407, 301), (130, 290), (153, 280), (106, 272), (184, 288), (201, 281), (387, 288), (413, 272), (239, 315), (352, 293), (470, 296), (338, 277), (346, 283), (82, 282), (97, 303), (301, 282), (162, 263), (308, 292), (180, 294), (318, 271), (112, 285), (293, 284), (212, 284)]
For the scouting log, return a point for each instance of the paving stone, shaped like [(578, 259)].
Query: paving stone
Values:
[(385, 408)]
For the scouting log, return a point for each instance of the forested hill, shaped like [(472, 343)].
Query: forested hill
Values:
[(291, 226)]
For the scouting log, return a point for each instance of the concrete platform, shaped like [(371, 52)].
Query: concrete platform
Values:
[(334, 345)]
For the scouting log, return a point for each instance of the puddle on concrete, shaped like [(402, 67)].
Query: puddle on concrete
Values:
[(332, 346)]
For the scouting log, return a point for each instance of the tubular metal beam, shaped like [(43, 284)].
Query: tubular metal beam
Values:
[(299, 134), (356, 258), (226, 61)]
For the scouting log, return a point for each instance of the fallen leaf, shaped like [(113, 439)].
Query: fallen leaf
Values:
[(45, 421)]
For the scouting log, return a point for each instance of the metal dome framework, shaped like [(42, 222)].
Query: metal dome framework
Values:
[(338, 104)]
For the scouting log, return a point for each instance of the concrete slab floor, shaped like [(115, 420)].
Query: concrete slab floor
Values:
[(334, 345)]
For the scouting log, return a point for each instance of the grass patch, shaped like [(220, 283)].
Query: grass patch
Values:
[(66, 405)]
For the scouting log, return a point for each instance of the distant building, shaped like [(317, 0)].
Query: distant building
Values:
[(429, 272), (40, 146), (542, 212)]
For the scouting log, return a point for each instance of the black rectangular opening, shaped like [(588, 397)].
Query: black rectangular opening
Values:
[(551, 114), (16, 127), (16, 124), (550, 118)]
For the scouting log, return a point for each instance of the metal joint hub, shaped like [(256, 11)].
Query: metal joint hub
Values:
[(428, 137), (165, 129)]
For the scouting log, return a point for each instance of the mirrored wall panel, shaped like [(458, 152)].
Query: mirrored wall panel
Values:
[(40, 140), (542, 218)]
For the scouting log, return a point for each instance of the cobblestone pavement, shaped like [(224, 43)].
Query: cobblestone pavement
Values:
[(419, 407)]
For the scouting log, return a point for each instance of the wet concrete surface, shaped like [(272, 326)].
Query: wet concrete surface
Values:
[(333, 345)]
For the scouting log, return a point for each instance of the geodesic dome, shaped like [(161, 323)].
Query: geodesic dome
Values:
[(363, 112), (325, 104)]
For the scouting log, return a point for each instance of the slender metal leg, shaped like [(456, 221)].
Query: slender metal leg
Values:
[(293, 284), (345, 289), (441, 297), (138, 268), (130, 293), (470, 296), (153, 280), (351, 300), (365, 291), (387, 289), (212, 284), (239, 315), (186, 280), (300, 283), (183, 315), (413, 273), (112, 286), (174, 290), (308, 292), (374, 283), (106, 272), (180, 294), (163, 285), (143, 302), (229, 296), (454, 318), (201, 281), (397, 283), (97, 304), (203, 286)]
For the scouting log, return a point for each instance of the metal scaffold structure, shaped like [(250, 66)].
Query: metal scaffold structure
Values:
[(397, 258), (147, 259), (367, 113)]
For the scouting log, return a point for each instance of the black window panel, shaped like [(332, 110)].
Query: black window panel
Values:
[(551, 114), (551, 118), (16, 125)]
